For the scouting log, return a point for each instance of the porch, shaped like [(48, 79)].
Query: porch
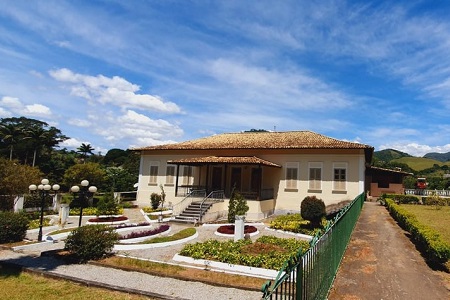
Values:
[(248, 175)]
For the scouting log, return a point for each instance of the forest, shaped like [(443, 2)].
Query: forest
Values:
[(29, 151)]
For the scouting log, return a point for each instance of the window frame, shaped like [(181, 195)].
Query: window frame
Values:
[(337, 183), (291, 184), (153, 175), (170, 176), (315, 184)]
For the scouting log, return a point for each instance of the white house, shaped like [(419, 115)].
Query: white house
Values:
[(275, 171)]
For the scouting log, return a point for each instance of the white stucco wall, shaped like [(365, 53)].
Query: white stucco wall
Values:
[(285, 200)]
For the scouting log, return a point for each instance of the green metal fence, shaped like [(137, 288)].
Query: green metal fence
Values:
[(310, 276)]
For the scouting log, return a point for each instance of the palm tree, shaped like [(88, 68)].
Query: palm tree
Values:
[(85, 149), (38, 137), (10, 134)]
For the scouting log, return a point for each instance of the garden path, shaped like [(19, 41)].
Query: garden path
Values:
[(382, 263)]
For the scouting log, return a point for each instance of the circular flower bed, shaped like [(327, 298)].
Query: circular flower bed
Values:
[(108, 219), (229, 229), (145, 233)]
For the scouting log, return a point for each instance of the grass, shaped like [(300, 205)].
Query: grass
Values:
[(18, 285), (437, 219), (160, 269), (419, 163)]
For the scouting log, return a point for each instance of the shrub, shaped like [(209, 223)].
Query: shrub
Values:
[(155, 200), (435, 249), (13, 227), (403, 199), (107, 205), (237, 206), (313, 210), (293, 223), (435, 200), (34, 200), (91, 242)]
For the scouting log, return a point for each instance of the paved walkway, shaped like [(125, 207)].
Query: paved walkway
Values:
[(382, 263)]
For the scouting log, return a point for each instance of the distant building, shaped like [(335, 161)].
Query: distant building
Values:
[(274, 171), (385, 181)]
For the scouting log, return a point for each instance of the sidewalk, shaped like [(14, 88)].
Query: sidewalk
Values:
[(382, 263)]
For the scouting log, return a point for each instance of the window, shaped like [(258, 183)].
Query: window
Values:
[(315, 176), (153, 173), (339, 176), (170, 175), (291, 176), (187, 174)]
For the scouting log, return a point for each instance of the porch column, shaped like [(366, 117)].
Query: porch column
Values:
[(260, 182), (225, 178), (207, 179), (176, 181)]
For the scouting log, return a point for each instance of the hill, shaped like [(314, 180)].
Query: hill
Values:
[(387, 155), (443, 157), (419, 163)]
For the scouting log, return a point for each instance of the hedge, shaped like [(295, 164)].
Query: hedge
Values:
[(435, 249), (404, 199)]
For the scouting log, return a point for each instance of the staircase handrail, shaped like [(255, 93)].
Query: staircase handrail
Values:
[(216, 196), (180, 206)]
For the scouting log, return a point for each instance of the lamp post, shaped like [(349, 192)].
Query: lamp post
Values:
[(43, 189), (83, 196)]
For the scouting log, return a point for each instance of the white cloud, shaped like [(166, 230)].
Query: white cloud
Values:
[(71, 143), (37, 110), (79, 122), (74, 143), (13, 106), (116, 91), (291, 87), (416, 149), (137, 129)]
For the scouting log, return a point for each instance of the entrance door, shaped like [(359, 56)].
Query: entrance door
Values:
[(216, 178), (236, 178)]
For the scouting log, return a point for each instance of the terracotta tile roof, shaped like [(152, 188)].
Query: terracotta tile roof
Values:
[(262, 140), (249, 160)]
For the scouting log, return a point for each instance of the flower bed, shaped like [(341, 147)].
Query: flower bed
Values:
[(138, 234), (229, 229), (108, 219)]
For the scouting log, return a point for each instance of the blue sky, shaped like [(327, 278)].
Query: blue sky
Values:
[(120, 74)]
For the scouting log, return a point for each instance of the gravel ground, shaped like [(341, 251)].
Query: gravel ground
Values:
[(161, 287)]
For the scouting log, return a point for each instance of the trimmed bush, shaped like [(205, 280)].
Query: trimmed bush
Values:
[(435, 249), (313, 210), (155, 200), (13, 227), (91, 242), (404, 199)]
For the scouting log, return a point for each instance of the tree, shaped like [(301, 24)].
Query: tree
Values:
[(92, 172), (237, 206), (85, 149), (107, 205), (23, 134), (10, 135), (37, 135), (15, 179)]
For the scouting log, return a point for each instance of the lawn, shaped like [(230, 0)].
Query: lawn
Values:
[(437, 219), (21, 285)]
